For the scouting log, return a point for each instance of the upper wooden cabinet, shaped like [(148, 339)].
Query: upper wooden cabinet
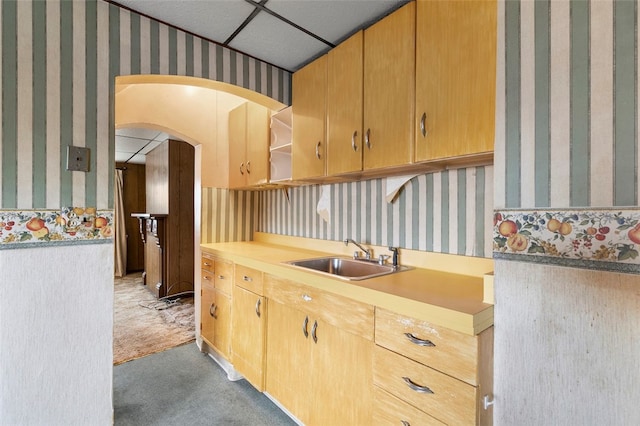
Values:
[(309, 93), (248, 145), (455, 78), (345, 65), (389, 89)]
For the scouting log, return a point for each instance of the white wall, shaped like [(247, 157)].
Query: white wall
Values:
[(56, 335), (567, 348)]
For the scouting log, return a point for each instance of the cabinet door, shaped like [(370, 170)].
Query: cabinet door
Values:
[(309, 86), (288, 359), (344, 106), (342, 382), (257, 148), (455, 78), (207, 306), (248, 343), (237, 146), (222, 324), (389, 89)]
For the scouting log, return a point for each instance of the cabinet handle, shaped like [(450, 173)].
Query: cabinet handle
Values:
[(305, 323), (415, 387), (221, 277), (207, 264), (207, 277), (420, 342), (307, 298), (246, 278), (405, 423), (241, 168), (367, 138), (248, 166), (313, 332), (258, 302), (212, 310), (318, 150), (423, 125), (353, 141)]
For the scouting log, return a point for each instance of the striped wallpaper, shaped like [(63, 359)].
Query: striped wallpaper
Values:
[(567, 105), (227, 215), (446, 212), (59, 61)]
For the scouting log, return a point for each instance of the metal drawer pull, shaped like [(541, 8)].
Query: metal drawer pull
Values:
[(405, 423), (307, 298), (258, 307), (248, 166), (241, 168), (305, 323), (423, 125), (246, 278), (212, 310), (313, 332), (415, 387), (207, 277), (417, 341), (207, 264), (318, 150), (367, 141), (353, 141)]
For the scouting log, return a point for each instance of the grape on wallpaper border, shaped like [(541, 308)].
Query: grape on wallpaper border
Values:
[(586, 235)]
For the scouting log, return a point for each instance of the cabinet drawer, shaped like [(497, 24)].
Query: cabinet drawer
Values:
[(438, 347), (224, 276), (445, 398), (208, 278), (350, 315), (391, 411), (207, 262), (249, 279)]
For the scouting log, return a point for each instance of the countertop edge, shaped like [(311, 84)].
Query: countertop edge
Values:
[(471, 323)]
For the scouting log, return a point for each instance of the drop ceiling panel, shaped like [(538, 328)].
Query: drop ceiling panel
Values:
[(284, 45), (333, 20), (122, 157), (130, 145), (212, 19), (137, 159), (138, 133), (151, 145)]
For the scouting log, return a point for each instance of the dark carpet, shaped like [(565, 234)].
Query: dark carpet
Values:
[(182, 386)]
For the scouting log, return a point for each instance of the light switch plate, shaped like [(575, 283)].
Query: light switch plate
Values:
[(78, 158)]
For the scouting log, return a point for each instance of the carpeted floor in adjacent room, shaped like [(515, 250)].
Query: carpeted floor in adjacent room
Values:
[(144, 325)]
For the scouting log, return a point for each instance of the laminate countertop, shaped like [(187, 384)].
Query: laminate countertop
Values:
[(443, 298)]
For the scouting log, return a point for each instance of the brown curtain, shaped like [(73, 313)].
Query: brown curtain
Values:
[(120, 243)]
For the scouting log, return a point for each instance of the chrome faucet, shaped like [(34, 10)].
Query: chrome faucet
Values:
[(367, 253)]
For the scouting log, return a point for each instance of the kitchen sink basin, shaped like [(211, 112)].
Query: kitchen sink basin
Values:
[(346, 268)]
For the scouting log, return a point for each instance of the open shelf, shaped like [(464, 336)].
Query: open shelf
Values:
[(281, 146)]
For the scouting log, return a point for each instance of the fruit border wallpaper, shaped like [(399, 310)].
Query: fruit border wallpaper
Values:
[(595, 239), (52, 226)]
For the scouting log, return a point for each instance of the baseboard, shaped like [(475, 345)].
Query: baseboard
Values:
[(232, 374)]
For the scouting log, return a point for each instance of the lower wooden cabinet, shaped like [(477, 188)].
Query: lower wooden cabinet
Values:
[(215, 305), (329, 359), (319, 371), (391, 411), (248, 342), (441, 372), (216, 320)]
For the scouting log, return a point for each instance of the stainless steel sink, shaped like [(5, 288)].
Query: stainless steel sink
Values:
[(346, 268)]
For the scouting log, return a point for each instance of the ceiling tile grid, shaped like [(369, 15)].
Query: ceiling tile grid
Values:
[(284, 33)]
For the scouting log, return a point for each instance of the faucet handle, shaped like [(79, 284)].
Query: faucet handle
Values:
[(382, 258), (394, 250)]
